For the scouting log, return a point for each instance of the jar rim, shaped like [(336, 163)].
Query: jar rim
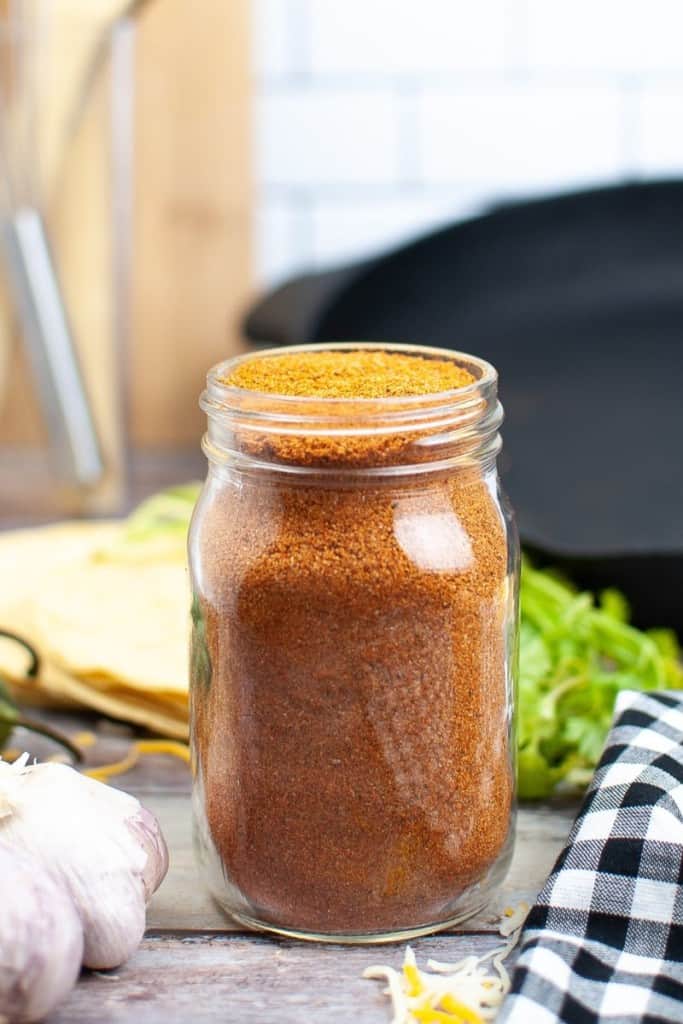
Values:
[(484, 373), (379, 435)]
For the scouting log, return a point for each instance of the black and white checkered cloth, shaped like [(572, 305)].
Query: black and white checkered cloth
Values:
[(604, 941)]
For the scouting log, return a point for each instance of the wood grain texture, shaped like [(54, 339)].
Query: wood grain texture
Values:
[(183, 902), (192, 227), (250, 980)]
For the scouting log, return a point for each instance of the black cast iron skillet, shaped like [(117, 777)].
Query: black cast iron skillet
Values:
[(578, 301)]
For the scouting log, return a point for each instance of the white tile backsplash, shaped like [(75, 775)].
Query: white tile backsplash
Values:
[(283, 238), (344, 229), (384, 37), (376, 119), (659, 132), (625, 37), (327, 137), (521, 138), (657, 36), (271, 21)]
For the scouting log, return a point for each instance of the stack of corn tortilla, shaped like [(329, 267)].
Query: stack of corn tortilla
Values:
[(106, 608)]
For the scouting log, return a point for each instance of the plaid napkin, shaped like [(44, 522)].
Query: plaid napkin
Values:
[(604, 941)]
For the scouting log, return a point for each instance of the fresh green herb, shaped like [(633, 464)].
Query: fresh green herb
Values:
[(11, 718), (156, 530), (575, 656), (8, 715), (200, 659), (168, 512)]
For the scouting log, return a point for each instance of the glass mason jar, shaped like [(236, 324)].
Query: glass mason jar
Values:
[(355, 576)]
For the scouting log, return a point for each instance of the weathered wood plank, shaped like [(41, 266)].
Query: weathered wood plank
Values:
[(158, 773), (249, 980), (183, 902)]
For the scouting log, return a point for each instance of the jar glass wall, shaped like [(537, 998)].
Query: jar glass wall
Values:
[(354, 571)]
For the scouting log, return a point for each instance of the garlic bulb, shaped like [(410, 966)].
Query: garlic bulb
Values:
[(99, 845), (41, 939)]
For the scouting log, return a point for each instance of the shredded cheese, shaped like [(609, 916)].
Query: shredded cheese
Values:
[(466, 992), (85, 739), (513, 919), (453, 1005), (412, 974), (137, 750)]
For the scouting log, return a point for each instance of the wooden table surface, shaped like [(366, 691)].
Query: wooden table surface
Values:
[(194, 965)]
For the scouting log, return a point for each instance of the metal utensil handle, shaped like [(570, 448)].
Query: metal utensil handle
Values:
[(33, 277)]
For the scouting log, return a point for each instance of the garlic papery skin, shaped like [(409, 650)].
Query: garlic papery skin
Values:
[(105, 848), (146, 828), (41, 938)]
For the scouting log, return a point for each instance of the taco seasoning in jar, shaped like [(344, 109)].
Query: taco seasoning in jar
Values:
[(354, 572)]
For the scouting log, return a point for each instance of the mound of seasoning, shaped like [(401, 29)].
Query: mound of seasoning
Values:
[(352, 642), (373, 373)]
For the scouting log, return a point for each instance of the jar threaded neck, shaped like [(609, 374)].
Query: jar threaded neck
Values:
[(387, 435)]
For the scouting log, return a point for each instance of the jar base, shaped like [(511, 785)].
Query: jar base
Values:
[(362, 938)]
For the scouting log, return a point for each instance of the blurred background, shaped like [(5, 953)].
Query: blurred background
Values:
[(374, 120), (183, 160)]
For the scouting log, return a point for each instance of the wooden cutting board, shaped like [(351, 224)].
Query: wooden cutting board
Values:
[(192, 263)]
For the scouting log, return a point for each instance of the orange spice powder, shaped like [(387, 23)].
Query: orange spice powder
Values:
[(348, 375), (363, 373)]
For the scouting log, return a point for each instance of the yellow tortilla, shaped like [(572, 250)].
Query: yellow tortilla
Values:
[(112, 633)]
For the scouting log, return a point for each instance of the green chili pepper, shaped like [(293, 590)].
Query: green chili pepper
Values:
[(12, 718)]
